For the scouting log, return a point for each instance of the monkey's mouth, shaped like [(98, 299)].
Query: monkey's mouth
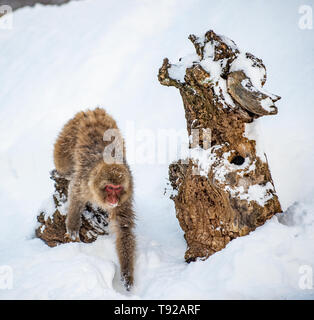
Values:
[(113, 192), (112, 201), (113, 205)]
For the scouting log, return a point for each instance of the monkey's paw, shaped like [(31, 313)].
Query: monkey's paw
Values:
[(72, 236), (127, 280)]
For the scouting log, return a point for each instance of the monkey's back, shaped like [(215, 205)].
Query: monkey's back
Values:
[(80, 144)]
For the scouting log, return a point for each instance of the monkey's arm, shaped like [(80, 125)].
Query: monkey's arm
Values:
[(126, 248), (73, 219), (126, 244)]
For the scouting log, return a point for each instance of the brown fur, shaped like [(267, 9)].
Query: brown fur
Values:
[(78, 155)]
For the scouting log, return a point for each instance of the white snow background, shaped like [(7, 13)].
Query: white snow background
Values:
[(58, 60)]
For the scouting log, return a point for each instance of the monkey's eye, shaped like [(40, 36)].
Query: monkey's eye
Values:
[(108, 188), (113, 188)]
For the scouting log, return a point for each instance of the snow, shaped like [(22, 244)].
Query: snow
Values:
[(213, 68), (242, 63), (267, 104), (258, 193), (177, 71), (254, 131), (59, 60), (203, 159)]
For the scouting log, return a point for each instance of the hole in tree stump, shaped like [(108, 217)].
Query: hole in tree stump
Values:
[(238, 160)]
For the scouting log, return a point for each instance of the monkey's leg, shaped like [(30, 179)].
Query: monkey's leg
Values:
[(73, 219), (126, 250)]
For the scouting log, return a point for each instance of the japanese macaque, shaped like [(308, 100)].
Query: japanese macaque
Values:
[(79, 156)]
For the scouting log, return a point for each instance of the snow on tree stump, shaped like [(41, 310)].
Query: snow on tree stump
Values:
[(51, 227), (224, 189)]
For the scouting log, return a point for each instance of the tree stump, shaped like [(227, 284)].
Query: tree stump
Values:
[(52, 228), (224, 189)]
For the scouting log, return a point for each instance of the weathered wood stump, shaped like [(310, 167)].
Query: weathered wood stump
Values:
[(224, 189), (51, 227)]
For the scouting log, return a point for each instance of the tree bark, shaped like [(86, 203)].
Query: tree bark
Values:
[(224, 189)]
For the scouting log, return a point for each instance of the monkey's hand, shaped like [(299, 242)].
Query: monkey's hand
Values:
[(127, 280), (72, 236)]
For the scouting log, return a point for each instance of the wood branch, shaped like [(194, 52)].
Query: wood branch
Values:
[(251, 99), (222, 49), (164, 78)]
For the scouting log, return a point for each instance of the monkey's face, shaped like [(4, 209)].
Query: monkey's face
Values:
[(110, 185), (113, 193)]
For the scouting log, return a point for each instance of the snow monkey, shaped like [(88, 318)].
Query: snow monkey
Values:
[(79, 156)]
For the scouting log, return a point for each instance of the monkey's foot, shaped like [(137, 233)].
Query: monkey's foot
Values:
[(72, 236)]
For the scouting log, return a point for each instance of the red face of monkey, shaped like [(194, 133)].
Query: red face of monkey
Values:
[(110, 185), (113, 193)]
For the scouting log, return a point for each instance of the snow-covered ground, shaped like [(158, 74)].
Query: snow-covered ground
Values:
[(58, 60)]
